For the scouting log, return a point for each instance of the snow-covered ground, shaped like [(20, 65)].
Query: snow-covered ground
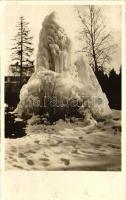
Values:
[(67, 146)]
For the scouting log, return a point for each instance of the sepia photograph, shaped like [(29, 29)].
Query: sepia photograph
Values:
[(62, 87)]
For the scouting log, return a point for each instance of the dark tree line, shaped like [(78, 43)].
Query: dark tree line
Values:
[(111, 85)]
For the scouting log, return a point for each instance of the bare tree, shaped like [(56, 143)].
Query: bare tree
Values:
[(97, 42), (22, 51)]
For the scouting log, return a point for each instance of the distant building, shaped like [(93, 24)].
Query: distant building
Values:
[(16, 79)]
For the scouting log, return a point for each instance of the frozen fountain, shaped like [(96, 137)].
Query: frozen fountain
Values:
[(61, 86)]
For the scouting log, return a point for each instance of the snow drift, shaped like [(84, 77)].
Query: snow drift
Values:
[(61, 86)]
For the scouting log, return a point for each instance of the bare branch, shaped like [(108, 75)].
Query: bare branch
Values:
[(97, 42)]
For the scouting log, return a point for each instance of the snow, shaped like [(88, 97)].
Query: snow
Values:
[(67, 146)]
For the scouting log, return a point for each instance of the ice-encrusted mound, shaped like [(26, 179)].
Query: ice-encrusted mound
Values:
[(60, 86)]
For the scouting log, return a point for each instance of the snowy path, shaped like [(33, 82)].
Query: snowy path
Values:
[(66, 146)]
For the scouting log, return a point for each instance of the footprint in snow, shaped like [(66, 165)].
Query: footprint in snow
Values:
[(66, 161), (30, 162), (21, 155)]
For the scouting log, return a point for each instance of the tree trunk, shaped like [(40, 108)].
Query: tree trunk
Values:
[(21, 54), (92, 41)]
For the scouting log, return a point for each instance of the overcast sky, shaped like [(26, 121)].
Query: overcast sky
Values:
[(35, 15)]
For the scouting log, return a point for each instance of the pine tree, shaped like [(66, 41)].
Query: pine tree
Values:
[(22, 51)]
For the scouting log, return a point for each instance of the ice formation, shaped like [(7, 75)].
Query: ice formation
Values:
[(61, 79), (54, 50)]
